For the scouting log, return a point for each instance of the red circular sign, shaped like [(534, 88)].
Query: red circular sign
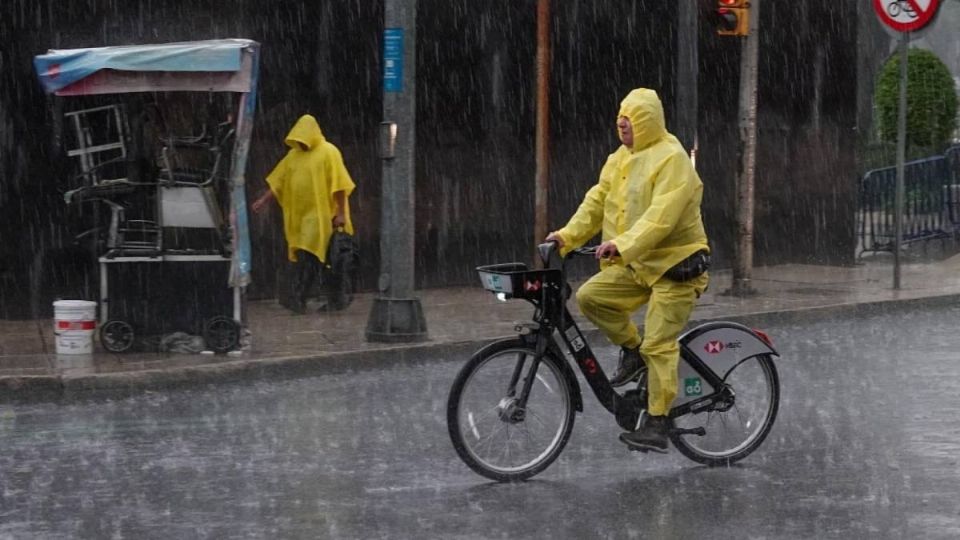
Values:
[(906, 15)]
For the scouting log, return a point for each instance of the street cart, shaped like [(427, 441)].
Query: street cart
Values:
[(170, 225)]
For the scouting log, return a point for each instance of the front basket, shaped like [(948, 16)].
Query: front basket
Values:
[(515, 280)]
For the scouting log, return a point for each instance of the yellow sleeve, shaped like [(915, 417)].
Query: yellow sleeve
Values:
[(672, 191), (588, 219), (276, 178)]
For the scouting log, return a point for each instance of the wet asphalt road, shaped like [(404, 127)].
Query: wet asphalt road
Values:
[(866, 445)]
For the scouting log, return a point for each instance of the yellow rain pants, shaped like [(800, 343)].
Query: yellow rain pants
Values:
[(608, 299)]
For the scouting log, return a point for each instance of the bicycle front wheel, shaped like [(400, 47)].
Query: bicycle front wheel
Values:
[(493, 431), (736, 426)]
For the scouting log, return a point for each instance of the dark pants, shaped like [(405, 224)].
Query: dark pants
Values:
[(304, 274), (306, 271)]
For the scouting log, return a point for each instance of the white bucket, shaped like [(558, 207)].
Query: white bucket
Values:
[(74, 322)]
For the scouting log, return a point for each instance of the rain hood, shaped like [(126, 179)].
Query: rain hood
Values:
[(643, 108)]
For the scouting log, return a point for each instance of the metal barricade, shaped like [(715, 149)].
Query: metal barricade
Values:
[(952, 192), (931, 199)]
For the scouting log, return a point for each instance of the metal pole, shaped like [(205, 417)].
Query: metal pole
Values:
[(542, 175), (743, 269), (901, 157), (687, 71), (396, 316)]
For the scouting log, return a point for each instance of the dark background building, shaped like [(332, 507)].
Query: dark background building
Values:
[(475, 129)]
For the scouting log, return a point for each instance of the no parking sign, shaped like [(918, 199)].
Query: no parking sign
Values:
[(906, 15)]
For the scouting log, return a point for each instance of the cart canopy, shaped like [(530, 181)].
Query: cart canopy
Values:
[(222, 65)]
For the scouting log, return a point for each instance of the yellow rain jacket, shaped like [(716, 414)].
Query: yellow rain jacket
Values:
[(647, 200), (304, 183)]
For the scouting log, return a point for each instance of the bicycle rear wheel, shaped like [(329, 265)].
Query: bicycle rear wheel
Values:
[(736, 426), (492, 432)]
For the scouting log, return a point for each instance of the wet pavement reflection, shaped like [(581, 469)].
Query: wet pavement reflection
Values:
[(866, 445)]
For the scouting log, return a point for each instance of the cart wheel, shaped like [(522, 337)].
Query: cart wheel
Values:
[(116, 336), (221, 334)]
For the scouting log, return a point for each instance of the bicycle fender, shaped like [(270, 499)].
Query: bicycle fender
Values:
[(719, 346), (724, 338)]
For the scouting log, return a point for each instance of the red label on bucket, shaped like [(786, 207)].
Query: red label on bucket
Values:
[(76, 325)]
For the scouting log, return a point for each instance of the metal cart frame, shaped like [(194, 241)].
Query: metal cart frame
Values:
[(227, 65)]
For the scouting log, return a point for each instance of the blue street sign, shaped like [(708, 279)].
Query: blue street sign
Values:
[(393, 60)]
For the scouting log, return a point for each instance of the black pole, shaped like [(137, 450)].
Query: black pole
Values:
[(396, 315), (685, 112)]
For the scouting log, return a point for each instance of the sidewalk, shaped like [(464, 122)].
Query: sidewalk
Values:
[(458, 321)]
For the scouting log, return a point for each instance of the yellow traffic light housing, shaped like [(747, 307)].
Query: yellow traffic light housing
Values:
[(733, 17)]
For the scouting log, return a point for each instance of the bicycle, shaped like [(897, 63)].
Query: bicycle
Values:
[(512, 406)]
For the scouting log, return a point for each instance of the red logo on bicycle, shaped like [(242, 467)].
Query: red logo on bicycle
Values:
[(714, 347), (531, 286), (591, 365)]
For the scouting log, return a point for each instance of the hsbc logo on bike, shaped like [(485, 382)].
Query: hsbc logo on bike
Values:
[(716, 346), (532, 286), (713, 347)]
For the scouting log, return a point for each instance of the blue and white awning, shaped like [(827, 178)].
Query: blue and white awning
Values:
[(216, 65)]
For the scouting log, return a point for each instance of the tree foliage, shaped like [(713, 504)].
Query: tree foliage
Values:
[(931, 100)]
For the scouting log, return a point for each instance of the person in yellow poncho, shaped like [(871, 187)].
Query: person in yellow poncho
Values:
[(654, 251), (312, 186)]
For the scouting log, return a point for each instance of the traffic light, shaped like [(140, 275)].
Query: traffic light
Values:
[(733, 17)]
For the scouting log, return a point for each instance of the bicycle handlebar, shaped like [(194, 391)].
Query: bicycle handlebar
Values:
[(586, 251), (548, 250)]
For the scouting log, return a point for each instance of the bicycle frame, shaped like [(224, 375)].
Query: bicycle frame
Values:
[(593, 373), (727, 343)]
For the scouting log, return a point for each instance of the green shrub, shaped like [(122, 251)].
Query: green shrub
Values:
[(931, 100)]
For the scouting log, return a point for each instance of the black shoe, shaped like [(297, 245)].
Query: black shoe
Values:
[(628, 367), (330, 307), (297, 308), (651, 436)]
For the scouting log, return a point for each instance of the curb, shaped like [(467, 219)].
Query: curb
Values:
[(57, 388), (858, 309)]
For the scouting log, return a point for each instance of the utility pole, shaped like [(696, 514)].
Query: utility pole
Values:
[(750, 49), (685, 114), (542, 174), (396, 315)]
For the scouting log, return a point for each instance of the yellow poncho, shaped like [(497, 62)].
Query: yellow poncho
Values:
[(648, 198), (304, 183)]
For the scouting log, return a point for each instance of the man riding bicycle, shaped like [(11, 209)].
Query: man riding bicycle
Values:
[(654, 251)]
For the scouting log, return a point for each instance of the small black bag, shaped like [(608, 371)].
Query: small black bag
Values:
[(343, 254), (689, 268), (343, 260)]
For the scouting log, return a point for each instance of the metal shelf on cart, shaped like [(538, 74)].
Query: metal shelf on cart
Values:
[(110, 266), (166, 258)]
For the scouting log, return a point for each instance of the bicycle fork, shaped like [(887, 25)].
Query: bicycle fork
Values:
[(512, 408)]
